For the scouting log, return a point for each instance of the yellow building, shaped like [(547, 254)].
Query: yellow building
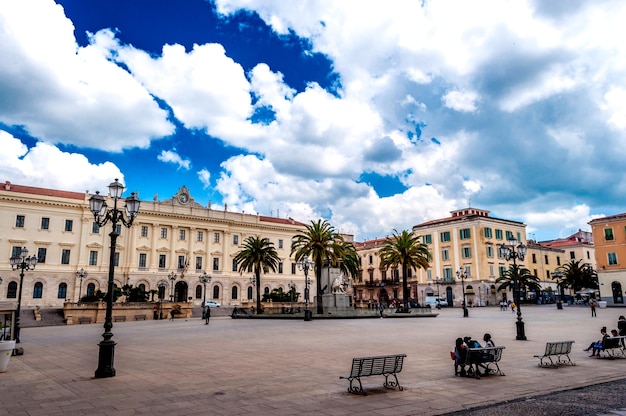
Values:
[(174, 236), (609, 236)]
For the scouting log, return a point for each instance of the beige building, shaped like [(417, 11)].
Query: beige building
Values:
[(609, 236), (174, 236)]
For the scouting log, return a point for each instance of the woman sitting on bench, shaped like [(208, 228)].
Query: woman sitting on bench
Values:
[(460, 356)]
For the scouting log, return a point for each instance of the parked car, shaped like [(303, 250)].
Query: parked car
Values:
[(432, 302), (212, 304)]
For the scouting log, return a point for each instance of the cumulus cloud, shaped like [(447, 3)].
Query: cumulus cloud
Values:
[(170, 156), (461, 100), (205, 177)]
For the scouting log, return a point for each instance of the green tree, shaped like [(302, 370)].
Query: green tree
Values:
[(578, 275), (324, 245), (527, 281), (257, 254), (406, 250)]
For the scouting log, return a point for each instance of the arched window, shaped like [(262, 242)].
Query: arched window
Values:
[(216, 292), (617, 292), (12, 290), (62, 293), (266, 290), (38, 290), (91, 289), (233, 292), (142, 288), (199, 292), (250, 296)]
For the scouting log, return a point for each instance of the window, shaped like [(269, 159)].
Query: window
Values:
[(489, 251), (69, 224), (612, 259), (608, 234), (498, 234), (118, 229), (182, 234), (383, 275), (91, 289), (45, 223), (162, 259), (62, 292), (280, 267), (250, 292), (216, 237), (144, 230), (464, 234), (12, 290), (572, 255), (95, 228), (116, 259), (142, 287), (445, 236), (161, 289), (534, 258), (233, 292), (558, 260), (371, 259), (41, 254), (488, 232), (371, 275), (546, 259), (38, 290), (181, 262), (65, 256), (429, 274), (491, 270), (163, 232), (16, 251), (447, 274), (280, 243), (501, 270), (142, 260), (198, 292), (235, 240), (216, 263), (216, 292), (93, 258), (509, 235), (293, 268), (445, 254), (200, 236), (19, 221), (199, 263), (427, 239), (234, 265), (466, 252)]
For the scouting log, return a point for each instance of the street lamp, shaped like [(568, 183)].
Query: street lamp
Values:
[(161, 285), (304, 265), (558, 275), (204, 279), (21, 262), (509, 253), (292, 287), (172, 277), (102, 215), (438, 281), (462, 274), (81, 274)]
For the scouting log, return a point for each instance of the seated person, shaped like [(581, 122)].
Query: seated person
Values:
[(598, 345), (460, 357)]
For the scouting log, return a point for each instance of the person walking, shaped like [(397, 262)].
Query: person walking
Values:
[(592, 305), (207, 315)]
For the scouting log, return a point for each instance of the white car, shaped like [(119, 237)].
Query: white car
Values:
[(212, 304)]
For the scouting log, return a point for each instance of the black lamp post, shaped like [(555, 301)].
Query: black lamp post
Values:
[(292, 288), (81, 274), (102, 215), (304, 265), (558, 275), (172, 277), (438, 281), (509, 252), (161, 285), (21, 262), (204, 279), (462, 274)]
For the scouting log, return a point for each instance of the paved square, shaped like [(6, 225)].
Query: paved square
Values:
[(288, 367)]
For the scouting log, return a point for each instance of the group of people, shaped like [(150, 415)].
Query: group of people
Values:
[(505, 305), (461, 350), (597, 346)]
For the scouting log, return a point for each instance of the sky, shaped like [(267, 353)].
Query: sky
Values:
[(372, 115)]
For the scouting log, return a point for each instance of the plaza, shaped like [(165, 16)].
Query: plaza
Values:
[(288, 367)]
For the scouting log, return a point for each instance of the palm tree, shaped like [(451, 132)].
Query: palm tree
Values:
[(578, 275), (323, 244), (407, 250), (527, 281), (257, 254)]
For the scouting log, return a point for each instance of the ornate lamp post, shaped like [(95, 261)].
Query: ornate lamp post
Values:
[(558, 275), (462, 274), (513, 252), (305, 265), (292, 288), (161, 285), (438, 281), (204, 279), (21, 262), (172, 277), (81, 274), (102, 215)]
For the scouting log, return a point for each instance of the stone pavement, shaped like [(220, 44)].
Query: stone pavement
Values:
[(292, 367)]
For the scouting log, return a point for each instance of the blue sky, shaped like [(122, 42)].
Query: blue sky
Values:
[(372, 115)]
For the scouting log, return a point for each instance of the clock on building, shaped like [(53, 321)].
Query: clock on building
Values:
[(183, 198)]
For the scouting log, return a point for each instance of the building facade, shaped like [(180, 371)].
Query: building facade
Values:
[(168, 246), (609, 236)]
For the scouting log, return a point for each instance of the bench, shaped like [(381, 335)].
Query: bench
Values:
[(613, 347), (119, 318), (483, 357), (559, 350), (84, 320), (382, 365), (141, 317)]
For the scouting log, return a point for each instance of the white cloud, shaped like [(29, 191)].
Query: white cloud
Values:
[(464, 101), (205, 177), (170, 156)]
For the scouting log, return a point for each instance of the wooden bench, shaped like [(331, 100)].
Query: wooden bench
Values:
[(119, 318), (382, 365), (559, 350), (483, 357), (84, 320), (613, 347), (141, 317)]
